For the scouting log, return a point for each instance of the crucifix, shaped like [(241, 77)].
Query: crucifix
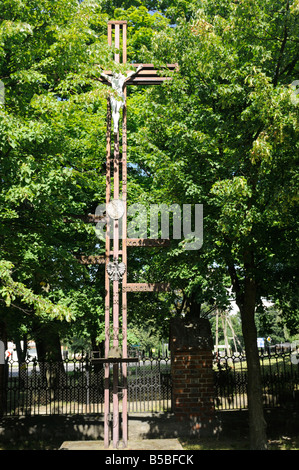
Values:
[(116, 285)]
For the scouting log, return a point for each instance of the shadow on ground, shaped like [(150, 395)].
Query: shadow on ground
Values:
[(230, 429)]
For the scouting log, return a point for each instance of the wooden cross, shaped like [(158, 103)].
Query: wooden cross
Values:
[(116, 272)]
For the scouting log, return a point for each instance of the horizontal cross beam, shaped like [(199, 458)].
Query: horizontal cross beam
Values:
[(147, 242), (113, 22), (147, 287), (148, 75), (82, 259), (88, 218)]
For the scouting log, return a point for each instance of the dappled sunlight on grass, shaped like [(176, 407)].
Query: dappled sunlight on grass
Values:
[(225, 443), (214, 443)]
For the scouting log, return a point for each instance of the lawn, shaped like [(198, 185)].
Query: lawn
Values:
[(220, 443), (225, 443)]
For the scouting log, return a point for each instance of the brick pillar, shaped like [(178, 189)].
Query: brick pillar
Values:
[(191, 347)]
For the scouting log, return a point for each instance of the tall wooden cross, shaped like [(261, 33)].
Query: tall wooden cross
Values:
[(116, 207)]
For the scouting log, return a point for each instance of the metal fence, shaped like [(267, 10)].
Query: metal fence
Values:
[(76, 385), (280, 380)]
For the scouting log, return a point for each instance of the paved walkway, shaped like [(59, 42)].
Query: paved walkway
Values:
[(141, 444)]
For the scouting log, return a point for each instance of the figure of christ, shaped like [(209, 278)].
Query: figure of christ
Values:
[(118, 81)]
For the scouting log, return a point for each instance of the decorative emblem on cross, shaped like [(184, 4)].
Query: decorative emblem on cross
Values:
[(116, 270), (115, 209)]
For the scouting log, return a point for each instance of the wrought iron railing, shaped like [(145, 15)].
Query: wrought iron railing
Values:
[(149, 385), (280, 380), (68, 387), (76, 386)]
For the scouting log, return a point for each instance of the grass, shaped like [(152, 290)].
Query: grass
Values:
[(205, 444), (225, 443), (30, 445), (212, 443), (270, 365)]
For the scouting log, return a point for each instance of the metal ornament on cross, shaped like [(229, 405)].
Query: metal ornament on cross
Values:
[(116, 208)]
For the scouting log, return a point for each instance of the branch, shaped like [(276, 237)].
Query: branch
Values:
[(10, 290), (236, 284), (282, 48), (27, 312), (290, 67)]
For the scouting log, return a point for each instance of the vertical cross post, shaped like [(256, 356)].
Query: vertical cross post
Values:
[(119, 170), (116, 176)]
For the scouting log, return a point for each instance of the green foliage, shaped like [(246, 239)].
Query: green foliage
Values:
[(145, 338), (11, 290), (224, 133), (269, 325)]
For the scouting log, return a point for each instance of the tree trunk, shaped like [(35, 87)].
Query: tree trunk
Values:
[(257, 424), (246, 300), (21, 352), (3, 377), (48, 349), (48, 345), (194, 307)]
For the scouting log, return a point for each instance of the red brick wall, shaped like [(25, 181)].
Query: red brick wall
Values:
[(193, 387)]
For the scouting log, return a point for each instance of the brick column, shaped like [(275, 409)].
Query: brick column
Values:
[(192, 375)]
